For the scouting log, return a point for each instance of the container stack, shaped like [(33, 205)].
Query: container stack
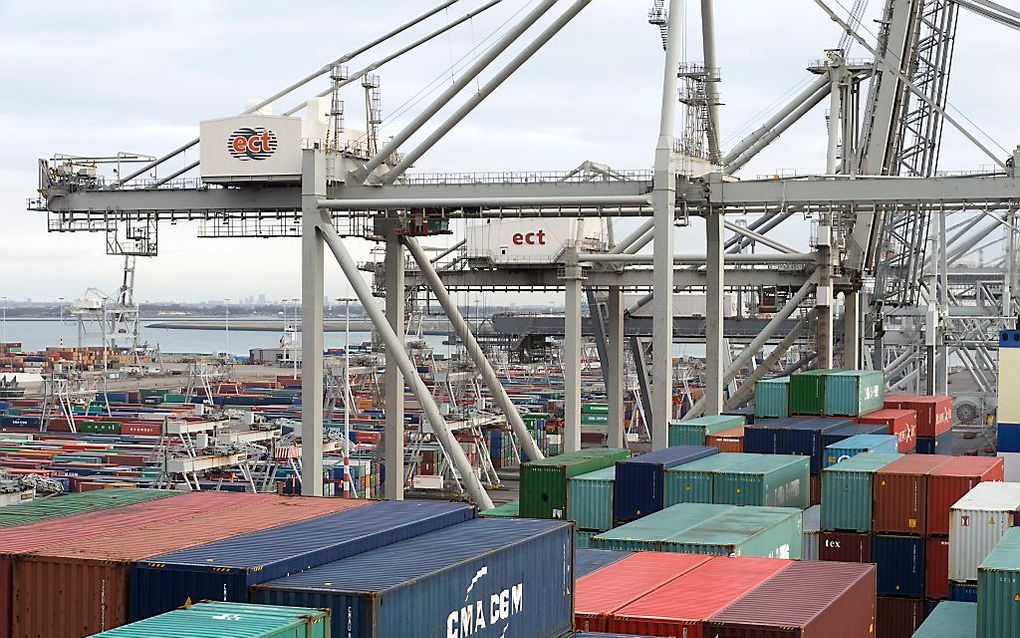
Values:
[(545, 488), (934, 420)]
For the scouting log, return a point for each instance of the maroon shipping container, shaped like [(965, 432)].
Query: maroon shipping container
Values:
[(898, 617), (727, 441), (936, 569), (844, 547), (902, 423), (951, 482), (816, 489), (80, 588), (810, 599), (934, 414), (900, 494)]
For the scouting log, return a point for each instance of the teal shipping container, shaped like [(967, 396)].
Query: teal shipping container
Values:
[(854, 392), (590, 502), (765, 532), (771, 480), (506, 510), (229, 620), (847, 491), (694, 431), (694, 482), (998, 603), (648, 532), (772, 398), (807, 391), (950, 619), (859, 444), (582, 538)]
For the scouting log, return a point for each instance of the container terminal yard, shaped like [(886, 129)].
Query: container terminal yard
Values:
[(764, 438)]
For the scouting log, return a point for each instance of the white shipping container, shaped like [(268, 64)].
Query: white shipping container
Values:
[(252, 148), (977, 522), (531, 242), (812, 532)]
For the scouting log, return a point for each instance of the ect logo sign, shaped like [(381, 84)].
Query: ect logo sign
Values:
[(481, 612), (251, 143), (529, 239)]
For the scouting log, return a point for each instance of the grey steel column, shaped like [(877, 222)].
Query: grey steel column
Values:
[(396, 355), (394, 379), (714, 314), (572, 340), (711, 83), (463, 331), (746, 391), (664, 203), (824, 295), (852, 329), (313, 187), (614, 388)]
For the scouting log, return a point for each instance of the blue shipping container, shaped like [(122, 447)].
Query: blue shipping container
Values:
[(943, 444), (900, 561), (590, 560), (487, 578), (858, 444), (747, 413), (763, 436), (963, 592), (640, 486), (225, 570), (837, 434), (1009, 437), (1009, 338), (804, 438)]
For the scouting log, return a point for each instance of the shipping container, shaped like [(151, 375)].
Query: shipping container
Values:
[(599, 595), (88, 579), (45, 509), (681, 607), (766, 532), (807, 391), (590, 500), (998, 589), (963, 592), (978, 521), (587, 561), (230, 620), (901, 494), (845, 547), (647, 534), (583, 538), (811, 533), (729, 441), (694, 482), (900, 561), (640, 484), (854, 392), (805, 437), (695, 431), (225, 570), (510, 578), (898, 617), (934, 413), (901, 423), (942, 444), (936, 568), (746, 413), (858, 444), (545, 483), (768, 480), (833, 600), (847, 491), (506, 510), (950, 620), (772, 398), (1008, 437), (850, 429), (951, 481)]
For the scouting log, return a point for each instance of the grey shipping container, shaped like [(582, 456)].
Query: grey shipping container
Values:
[(587, 561), (487, 578)]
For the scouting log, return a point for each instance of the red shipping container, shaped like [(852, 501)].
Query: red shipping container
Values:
[(816, 489), (902, 423), (141, 429), (934, 414), (844, 547), (900, 494), (951, 482), (809, 599), (727, 440), (81, 587), (599, 594), (681, 607), (898, 617), (936, 569)]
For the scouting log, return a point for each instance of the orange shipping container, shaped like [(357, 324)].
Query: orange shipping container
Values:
[(728, 440)]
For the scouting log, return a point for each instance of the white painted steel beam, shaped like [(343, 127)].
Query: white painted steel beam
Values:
[(313, 187)]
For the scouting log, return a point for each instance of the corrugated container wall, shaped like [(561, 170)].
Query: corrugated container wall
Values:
[(728, 441), (647, 534), (978, 521), (45, 509), (230, 620), (952, 481), (950, 620), (590, 500), (898, 617), (936, 568), (901, 494), (807, 391), (694, 482), (854, 392), (845, 547), (998, 589), (766, 532), (544, 483), (511, 578), (768, 480), (934, 413), (900, 561), (847, 491), (640, 484), (695, 431), (858, 444), (901, 423), (772, 398)]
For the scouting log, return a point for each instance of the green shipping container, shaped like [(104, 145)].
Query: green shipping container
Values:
[(647, 534), (694, 482), (582, 538), (807, 391), (854, 392), (694, 431), (506, 510), (229, 620), (950, 619), (998, 604), (846, 491), (594, 418), (766, 532), (772, 480), (172, 397), (544, 483), (595, 408), (590, 500), (99, 427), (772, 398), (46, 509)]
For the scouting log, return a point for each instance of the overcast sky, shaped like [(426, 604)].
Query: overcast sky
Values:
[(139, 76)]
